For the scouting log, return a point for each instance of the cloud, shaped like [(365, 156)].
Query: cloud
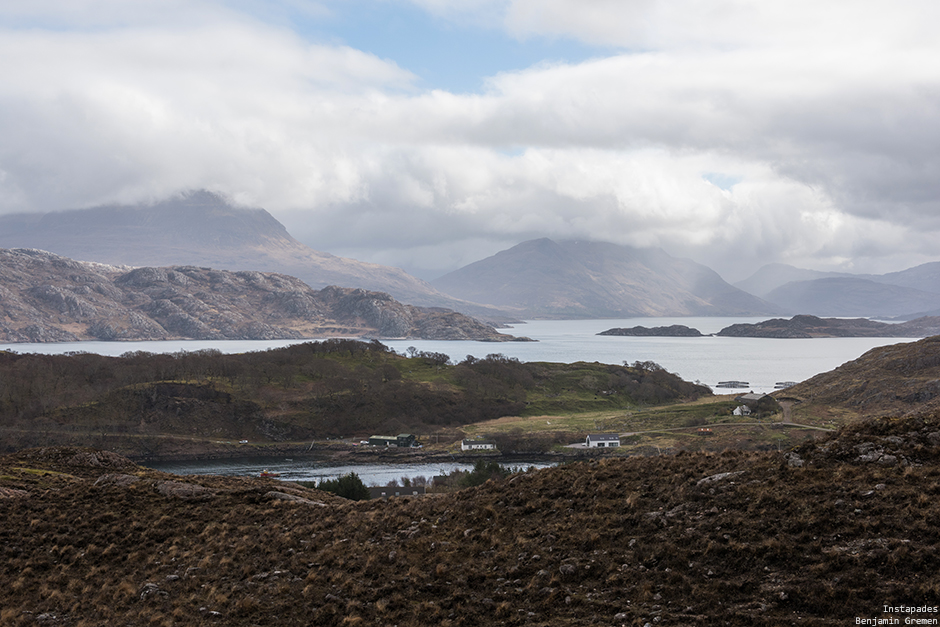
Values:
[(733, 132)]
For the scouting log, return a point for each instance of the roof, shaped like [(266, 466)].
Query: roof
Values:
[(750, 397), (603, 436)]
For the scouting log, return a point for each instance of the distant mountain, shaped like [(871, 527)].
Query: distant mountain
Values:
[(203, 229), (844, 296), (579, 279), (774, 275), (906, 294), (924, 277), (49, 298)]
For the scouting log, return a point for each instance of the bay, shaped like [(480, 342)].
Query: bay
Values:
[(760, 362)]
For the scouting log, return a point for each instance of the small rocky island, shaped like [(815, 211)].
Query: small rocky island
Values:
[(675, 330), (805, 326), (48, 298)]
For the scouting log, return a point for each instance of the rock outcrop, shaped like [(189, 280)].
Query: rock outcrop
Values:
[(48, 298)]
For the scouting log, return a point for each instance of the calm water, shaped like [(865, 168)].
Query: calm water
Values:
[(313, 470), (760, 362)]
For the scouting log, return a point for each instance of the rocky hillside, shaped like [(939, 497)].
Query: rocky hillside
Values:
[(821, 535), (805, 326), (889, 380), (48, 298), (203, 229), (579, 279)]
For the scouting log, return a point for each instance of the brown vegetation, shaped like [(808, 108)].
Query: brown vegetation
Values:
[(890, 380), (820, 535), (140, 403)]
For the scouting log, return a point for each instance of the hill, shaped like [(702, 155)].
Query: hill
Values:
[(822, 535), (198, 404), (578, 279), (203, 229), (48, 298), (890, 380)]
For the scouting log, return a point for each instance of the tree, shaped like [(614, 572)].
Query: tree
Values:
[(348, 486)]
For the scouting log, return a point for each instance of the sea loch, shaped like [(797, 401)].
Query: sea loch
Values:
[(759, 362)]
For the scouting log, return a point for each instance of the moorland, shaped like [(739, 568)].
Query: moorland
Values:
[(203, 403), (826, 531)]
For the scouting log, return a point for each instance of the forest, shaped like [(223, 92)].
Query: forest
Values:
[(312, 390)]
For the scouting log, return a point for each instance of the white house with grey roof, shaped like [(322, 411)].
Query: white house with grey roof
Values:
[(602, 440)]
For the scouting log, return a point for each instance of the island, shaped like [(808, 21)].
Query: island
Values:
[(805, 326), (675, 330)]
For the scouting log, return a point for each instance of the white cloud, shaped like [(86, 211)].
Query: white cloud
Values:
[(827, 121)]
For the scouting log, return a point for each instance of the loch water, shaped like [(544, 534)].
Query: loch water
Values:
[(760, 362), (319, 469)]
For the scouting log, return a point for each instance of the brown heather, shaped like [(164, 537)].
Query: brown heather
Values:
[(815, 536)]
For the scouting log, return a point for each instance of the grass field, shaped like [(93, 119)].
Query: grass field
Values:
[(705, 424)]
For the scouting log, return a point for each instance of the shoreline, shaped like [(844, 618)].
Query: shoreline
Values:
[(335, 453)]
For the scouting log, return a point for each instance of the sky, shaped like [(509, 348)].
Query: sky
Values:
[(428, 134)]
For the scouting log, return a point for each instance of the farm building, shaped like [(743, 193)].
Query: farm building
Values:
[(402, 440)]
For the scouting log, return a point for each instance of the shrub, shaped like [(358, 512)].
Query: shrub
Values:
[(348, 486)]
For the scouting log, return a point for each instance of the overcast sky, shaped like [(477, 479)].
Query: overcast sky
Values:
[(428, 134)]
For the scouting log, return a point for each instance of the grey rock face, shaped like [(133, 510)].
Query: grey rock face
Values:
[(47, 298)]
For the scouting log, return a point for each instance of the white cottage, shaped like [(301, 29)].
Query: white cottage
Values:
[(602, 440), (477, 445)]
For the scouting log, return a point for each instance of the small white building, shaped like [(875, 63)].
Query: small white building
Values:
[(477, 445), (602, 440)]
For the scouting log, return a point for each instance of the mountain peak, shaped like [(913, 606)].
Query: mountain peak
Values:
[(201, 228), (585, 279)]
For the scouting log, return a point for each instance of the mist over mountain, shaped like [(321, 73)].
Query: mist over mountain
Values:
[(906, 294), (773, 275), (582, 279), (203, 229), (845, 296)]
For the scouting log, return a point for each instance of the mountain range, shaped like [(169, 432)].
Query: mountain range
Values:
[(906, 294), (582, 279), (535, 279)]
